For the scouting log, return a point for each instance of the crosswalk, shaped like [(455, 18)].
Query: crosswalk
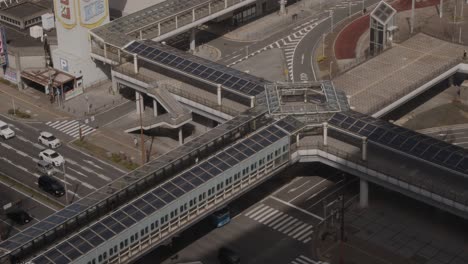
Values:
[(281, 222), (304, 260), (71, 127)]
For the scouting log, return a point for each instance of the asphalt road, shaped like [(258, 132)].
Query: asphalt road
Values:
[(19, 155), (303, 63), (267, 227), (24, 201)]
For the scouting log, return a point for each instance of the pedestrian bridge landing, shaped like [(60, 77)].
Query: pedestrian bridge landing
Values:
[(160, 22)]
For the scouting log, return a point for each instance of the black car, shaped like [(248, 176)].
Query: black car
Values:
[(51, 185), (227, 256), (19, 216)]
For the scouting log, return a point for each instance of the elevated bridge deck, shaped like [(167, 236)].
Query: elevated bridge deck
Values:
[(164, 20), (382, 83)]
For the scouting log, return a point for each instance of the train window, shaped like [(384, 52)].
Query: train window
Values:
[(204, 195), (146, 230), (284, 148), (181, 208), (162, 220), (100, 258), (152, 226), (121, 245), (94, 261), (126, 242), (222, 185), (190, 203), (172, 214), (131, 239), (156, 224), (89, 262), (200, 198), (111, 251), (115, 249), (136, 236), (227, 182), (185, 206), (104, 256), (142, 232)]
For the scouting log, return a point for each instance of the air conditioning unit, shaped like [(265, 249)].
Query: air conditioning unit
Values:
[(36, 31), (48, 21)]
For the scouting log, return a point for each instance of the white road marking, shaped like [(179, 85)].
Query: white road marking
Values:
[(313, 186), (299, 209), (267, 216), (94, 164), (31, 197), (256, 218), (275, 216), (295, 188), (259, 211), (254, 210), (77, 172)]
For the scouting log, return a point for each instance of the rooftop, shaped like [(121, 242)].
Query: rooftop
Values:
[(25, 9)]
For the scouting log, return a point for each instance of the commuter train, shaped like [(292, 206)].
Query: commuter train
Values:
[(156, 216)]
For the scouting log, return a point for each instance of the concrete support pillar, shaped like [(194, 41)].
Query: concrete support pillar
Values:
[(193, 43), (105, 50), (155, 107), (139, 102), (298, 138), (305, 96), (254, 124), (181, 137), (135, 62), (252, 102), (114, 84), (283, 6), (118, 55), (450, 80), (325, 133), (219, 94), (363, 193), (364, 148)]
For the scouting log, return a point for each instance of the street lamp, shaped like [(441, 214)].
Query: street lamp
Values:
[(331, 17), (140, 106), (65, 182)]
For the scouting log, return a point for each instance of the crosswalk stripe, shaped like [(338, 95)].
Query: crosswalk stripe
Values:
[(254, 210), (262, 214), (283, 222), (301, 261), (308, 233), (307, 240), (284, 227), (302, 231), (275, 216), (70, 128), (294, 262), (296, 229), (64, 124), (267, 216), (278, 220), (88, 130), (306, 258), (50, 123), (286, 231), (259, 211)]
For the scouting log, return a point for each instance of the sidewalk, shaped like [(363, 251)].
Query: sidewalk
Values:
[(270, 24)]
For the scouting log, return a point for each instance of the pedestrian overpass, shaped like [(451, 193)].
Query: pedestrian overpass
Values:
[(144, 208)]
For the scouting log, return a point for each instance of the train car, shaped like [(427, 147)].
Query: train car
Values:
[(177, 203)]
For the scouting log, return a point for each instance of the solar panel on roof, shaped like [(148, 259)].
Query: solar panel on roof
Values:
[(173, 189), (91, 237), (68, 250)]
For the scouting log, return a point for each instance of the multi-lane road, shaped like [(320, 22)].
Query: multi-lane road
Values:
[(18, 159), (268, 225)]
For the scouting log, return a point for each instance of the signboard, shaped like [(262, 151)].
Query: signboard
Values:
[(10, 75), (65, 11), (93, 12), (64, 64), (3, 48)]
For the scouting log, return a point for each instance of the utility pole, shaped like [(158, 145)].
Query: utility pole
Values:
[(140, 102), (331, 17), (14, 108), (413, 2), (65, 183)]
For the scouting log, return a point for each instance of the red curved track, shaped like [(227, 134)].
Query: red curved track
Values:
[(347, 39)]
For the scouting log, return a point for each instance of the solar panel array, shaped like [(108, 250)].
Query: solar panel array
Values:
[(67, 214), (169, 57), (404, 140), (290, 124), (124, 218)]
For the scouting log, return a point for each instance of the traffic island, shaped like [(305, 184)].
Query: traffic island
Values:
[(19, 113), (120, 159)]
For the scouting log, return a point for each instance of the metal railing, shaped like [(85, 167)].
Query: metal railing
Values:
[(424, 184), (177, 91)]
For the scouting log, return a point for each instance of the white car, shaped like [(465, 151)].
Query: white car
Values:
[(51, 157), (5, 131), (49, 140)]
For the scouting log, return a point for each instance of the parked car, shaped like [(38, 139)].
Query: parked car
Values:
[(47, 139), (19, 216), (52, 157), (227, 256), (5, 131), (51, 185)]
